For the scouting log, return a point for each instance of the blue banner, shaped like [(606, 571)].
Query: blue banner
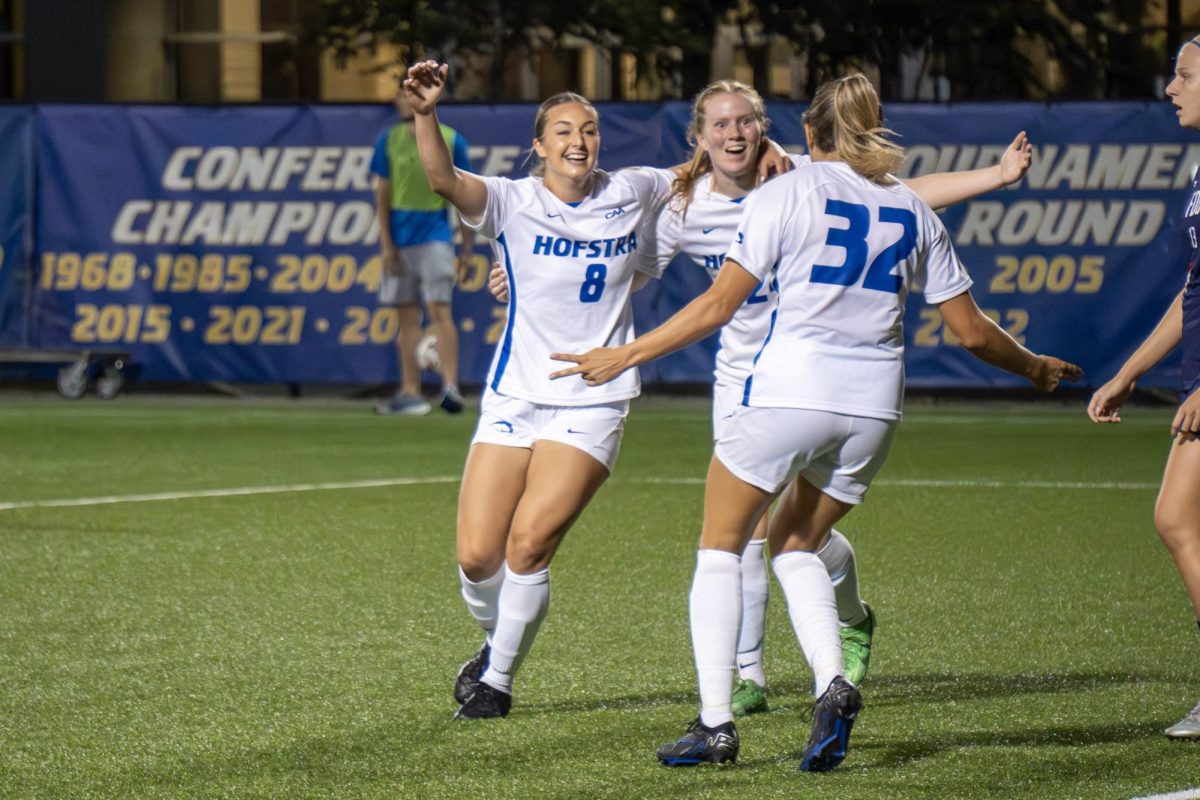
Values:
[(239, 244), (16, 176)]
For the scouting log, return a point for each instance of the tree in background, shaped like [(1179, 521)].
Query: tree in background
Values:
[(669, 36), (1026, 49)]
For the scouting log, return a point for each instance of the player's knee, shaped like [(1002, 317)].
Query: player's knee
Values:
[(529, 549), (1175, 528), (478, 561), (440, 313)]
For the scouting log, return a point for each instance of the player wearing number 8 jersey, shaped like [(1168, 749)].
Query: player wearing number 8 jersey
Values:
[(567, 241), (818, 412)]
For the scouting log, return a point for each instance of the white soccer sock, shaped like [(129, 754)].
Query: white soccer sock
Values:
[(714, 608), (483, 598), (754, 613), (524, 600), (838, 556), (813, 611)]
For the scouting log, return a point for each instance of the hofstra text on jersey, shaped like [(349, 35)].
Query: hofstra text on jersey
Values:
[(596, 248)]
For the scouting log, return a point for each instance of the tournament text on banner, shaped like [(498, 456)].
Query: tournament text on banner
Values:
[(240, 244)]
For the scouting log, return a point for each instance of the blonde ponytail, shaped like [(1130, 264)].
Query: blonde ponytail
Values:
[(846, 120)]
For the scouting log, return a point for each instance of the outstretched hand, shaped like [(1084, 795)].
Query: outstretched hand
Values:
[(1052, 371), (597, 366), (1016, 159), (424, 85)]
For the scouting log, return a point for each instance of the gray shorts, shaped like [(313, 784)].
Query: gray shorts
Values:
[(428, 273)]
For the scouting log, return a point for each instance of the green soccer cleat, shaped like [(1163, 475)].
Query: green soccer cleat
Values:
[(856, 647), (748, 698), (1186, 728)]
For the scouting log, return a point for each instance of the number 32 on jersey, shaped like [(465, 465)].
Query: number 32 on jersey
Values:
[(853, 240)]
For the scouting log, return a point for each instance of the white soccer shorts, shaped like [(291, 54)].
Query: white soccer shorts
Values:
[(836, 453), (596, 430), (727, 397)]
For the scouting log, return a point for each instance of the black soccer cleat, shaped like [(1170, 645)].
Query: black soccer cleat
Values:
[(701, 745), (486, 702), (833, 717), (470, 673)]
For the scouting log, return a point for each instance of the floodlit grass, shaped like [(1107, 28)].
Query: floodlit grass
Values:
[(1033, 636)]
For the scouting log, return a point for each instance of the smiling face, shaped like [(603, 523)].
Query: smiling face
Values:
[(731, 134), (568, 146), (1184, 88)]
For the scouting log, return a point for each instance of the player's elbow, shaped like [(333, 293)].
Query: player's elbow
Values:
[(975, 339), (720, 310), (973, 330), (441, 184)]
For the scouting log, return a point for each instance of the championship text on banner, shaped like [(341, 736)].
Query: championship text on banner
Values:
[(16, 175), (240, 244)]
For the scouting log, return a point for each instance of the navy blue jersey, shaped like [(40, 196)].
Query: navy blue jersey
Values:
[(1191, 295)]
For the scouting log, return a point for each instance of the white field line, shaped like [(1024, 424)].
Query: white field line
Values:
[(240, 491), (233, 492), (1183, 794)]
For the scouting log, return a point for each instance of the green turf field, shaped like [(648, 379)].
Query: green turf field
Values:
[(1033, 635)]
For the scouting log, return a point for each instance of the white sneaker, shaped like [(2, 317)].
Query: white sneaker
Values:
[(406, 404), (1188, 727)]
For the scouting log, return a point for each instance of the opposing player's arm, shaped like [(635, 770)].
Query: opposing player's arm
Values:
[(989, 342), (947, 188), (692, 323), (1105, 405), (423, 88)]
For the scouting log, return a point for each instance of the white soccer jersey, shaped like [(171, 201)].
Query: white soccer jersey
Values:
[(569, 268), (845, 252), (704, 234)]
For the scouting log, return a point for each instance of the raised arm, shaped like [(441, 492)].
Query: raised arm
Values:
[(693, 322), (1106, 403), (423, 88), (947, 188), (988, 342)]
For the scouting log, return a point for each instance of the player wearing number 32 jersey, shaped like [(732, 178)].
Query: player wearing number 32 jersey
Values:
[(847, 243)]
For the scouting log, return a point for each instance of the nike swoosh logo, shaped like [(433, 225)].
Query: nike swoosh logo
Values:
[(572, 430), (707, 231), (552, 216)]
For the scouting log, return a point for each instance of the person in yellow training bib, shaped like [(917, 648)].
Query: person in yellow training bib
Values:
[(419, 268)]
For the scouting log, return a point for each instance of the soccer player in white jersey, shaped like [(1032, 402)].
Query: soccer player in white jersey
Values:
[(847, 242), (700, 219), (567, 241)]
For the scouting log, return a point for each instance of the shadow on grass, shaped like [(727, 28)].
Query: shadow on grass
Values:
[(879, 692), (902, 753), (391, 753)]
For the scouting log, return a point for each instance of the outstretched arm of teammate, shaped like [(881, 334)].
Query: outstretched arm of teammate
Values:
[(1106, 403), (423, 88), (988, 342), (692, 323), (947, 188)]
